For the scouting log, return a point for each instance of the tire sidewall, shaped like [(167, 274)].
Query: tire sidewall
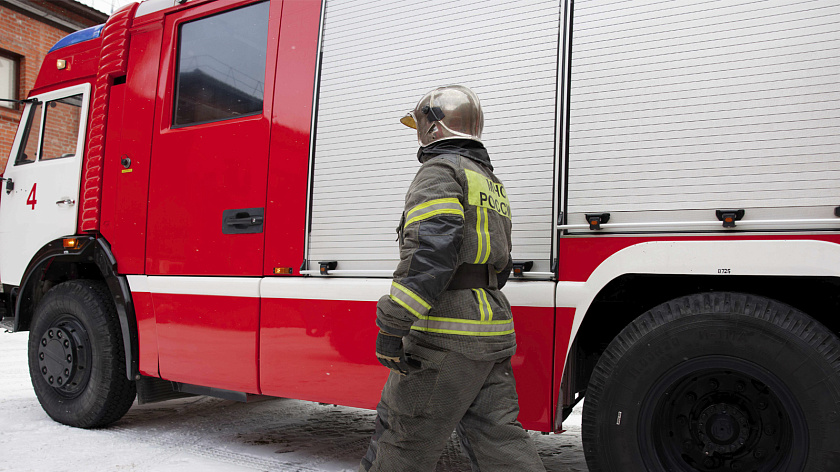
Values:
[(71, 299), (727, 333)]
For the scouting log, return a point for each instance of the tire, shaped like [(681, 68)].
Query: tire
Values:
[(76, 358), (716, 382)]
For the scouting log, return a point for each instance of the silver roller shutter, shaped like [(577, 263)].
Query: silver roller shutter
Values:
[(379, 58), (682, 107)]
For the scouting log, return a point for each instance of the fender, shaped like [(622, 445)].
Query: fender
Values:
[(89, 250), (790, 257), (784, 257), (721, 258)]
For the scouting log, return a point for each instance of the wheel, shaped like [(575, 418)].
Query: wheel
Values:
[(716, 382), (76, 359)]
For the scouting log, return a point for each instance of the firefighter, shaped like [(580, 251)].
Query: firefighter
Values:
[(446, 330)]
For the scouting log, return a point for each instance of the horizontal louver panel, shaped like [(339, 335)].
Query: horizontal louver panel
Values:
[(698, 105), (379, 58)]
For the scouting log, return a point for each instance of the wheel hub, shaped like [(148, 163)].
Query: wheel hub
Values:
[(56, 355), (717, 413), (723, 428), (63, 357)]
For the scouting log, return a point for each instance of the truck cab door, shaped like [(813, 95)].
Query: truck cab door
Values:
[(39, 198), (207, 190)]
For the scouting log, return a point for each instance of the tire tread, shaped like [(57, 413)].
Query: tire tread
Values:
[(816, 335), (108, 401)]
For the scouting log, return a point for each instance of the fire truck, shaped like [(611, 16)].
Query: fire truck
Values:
[(201, 199)]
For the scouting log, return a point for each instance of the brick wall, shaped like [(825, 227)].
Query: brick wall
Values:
[(29, 38)]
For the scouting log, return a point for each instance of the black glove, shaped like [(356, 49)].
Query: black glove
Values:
[(389, 352)]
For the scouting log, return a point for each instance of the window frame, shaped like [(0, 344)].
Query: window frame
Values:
[(45, 119), (176, 90), (16, 59), (27, 132), (25, 128)]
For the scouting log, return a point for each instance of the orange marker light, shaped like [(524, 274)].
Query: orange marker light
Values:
[(71, 243)]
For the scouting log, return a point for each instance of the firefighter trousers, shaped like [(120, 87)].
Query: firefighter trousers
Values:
[(418, 413)]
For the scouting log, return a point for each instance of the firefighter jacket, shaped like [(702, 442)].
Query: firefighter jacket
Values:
[(456, 212)]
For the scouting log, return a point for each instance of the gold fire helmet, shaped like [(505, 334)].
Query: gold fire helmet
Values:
[(451, 112)]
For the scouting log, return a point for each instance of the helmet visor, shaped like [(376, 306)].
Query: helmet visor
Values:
[(409, 120)]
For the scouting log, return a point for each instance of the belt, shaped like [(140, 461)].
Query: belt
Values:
[(473, 276)]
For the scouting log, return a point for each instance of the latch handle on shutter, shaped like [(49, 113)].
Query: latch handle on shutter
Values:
[(520, 267), (729, 217), (596, 219), (327, 266)]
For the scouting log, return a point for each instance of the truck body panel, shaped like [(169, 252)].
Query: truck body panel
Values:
[(202, 164), (125, 196), (228, 181), (289, 164), (314, 338)]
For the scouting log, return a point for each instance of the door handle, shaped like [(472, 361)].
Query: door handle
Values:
[(243, 221), (10, 184), (66, 201), (247, 221)]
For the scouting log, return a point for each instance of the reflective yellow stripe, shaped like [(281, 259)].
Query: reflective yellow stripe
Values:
[(463, 333), (441, 206), (409, 300), (482, 303), (478, 235), (406, 306), (443, 211), (487, 304), (486, 232), (412, 295), (458, 320), (483, 235), (433, 202), (486, 326)]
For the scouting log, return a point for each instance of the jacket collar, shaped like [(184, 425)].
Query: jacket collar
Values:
[(465, 147)]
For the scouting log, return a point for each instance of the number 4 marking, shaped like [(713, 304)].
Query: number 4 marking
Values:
[(31, 199)]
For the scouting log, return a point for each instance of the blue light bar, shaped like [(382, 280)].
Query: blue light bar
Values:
[(78, 37)]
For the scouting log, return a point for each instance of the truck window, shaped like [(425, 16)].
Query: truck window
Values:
[(61, 127), (221, 66), (30, 142)]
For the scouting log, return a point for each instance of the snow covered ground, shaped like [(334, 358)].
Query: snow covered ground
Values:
[(209, 434)]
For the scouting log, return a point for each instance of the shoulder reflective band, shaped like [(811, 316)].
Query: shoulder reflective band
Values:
[(409, 300), (482, 232), (450, 206), (485, 193)]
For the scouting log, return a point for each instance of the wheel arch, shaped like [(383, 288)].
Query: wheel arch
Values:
[(804, 274), (91, 259)]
